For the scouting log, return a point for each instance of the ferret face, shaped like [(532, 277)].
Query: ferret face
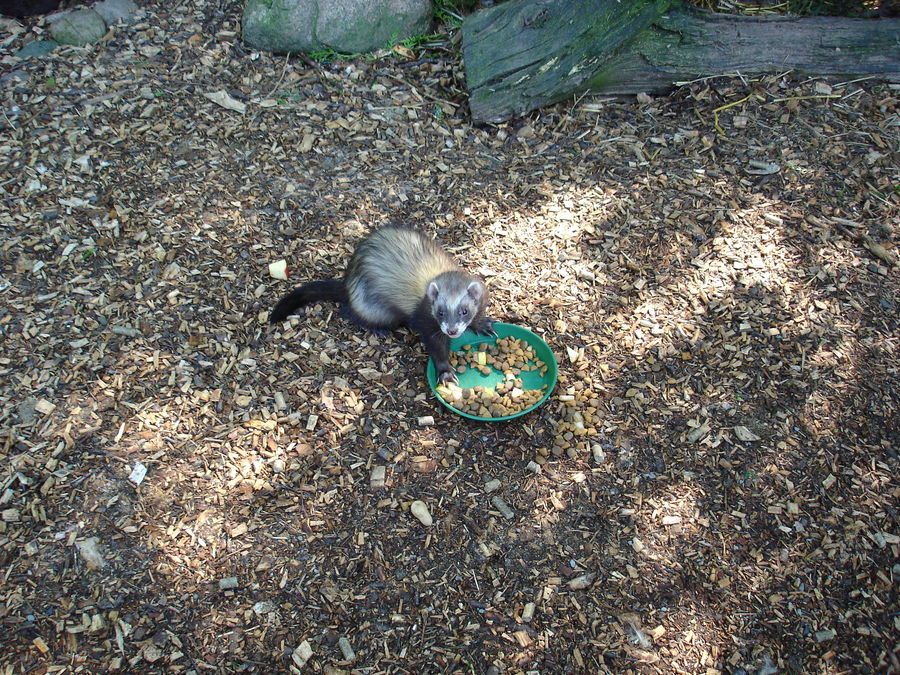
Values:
[(455, 308)]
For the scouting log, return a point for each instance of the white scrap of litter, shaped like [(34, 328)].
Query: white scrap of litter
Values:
[(744, 434), (758, 168), (74, 202), (138, 473), (224, 99), (420, 511), (87, 549), (278, 270)]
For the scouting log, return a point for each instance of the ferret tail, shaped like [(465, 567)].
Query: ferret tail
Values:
[(327, 290)]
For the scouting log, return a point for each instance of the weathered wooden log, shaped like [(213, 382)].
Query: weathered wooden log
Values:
[(524, 54), (686, 45)]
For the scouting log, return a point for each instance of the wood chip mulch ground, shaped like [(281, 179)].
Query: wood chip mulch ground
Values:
[(185, 489)]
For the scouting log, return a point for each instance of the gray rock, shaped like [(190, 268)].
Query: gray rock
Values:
[(78, 27), (280, 25), (37, 48), (366, 26), (8, 82), (26, 411), (347, 26), (116, 10)]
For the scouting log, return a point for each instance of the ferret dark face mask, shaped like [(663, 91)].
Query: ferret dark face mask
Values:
[(454, 309)]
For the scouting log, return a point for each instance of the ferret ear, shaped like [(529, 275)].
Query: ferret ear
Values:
[(475, 290), (433, 291)]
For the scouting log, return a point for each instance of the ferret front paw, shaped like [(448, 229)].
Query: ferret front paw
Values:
[(484, 326)]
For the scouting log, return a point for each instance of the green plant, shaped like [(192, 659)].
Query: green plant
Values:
[(328, 54), (831, 7), (416, 41), (451, 12), (816, 7)]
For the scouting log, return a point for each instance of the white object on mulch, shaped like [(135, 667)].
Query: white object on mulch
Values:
[(278, 270)]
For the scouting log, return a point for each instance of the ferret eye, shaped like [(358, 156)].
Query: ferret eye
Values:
[(464, 311), (440, 313)]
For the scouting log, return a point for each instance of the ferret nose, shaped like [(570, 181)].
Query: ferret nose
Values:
[(453, 331)]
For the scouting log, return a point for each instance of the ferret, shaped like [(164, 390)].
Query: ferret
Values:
[(397, 276)]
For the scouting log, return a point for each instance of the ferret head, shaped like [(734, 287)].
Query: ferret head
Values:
[(455, 301)]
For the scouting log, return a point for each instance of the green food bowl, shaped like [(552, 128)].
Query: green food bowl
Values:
[(472, 377)]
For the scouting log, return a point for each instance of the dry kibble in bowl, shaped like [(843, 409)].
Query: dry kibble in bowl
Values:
[(488, 401), (500, 377), (509, 356)]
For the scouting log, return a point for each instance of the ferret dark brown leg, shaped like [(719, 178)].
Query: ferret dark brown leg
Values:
[(437, 344)]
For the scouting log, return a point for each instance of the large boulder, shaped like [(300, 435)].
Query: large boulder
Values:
[(346, 26), (116, 10), (78, 27)]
